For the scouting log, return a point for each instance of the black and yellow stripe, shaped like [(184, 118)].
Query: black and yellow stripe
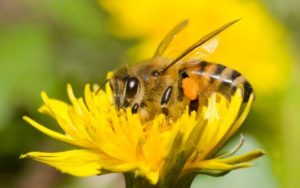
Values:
[(217, 77)]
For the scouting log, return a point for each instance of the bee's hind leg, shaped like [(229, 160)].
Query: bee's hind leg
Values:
[(194, 104), (182, 75)]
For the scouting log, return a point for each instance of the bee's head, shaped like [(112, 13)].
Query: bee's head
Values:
[(125, 88)]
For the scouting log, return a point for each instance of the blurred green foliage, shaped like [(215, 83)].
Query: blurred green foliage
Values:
[(46, 44)]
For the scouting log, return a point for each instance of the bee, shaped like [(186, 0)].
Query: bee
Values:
[(168, 86)]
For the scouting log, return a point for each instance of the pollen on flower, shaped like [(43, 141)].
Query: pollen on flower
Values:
[(108, 140)]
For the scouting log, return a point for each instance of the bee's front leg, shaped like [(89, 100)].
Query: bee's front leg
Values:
[(165, 99), (135, 108)]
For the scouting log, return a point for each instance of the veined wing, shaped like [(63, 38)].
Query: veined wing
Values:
[(177, 41), (198, 44), (164, 44)]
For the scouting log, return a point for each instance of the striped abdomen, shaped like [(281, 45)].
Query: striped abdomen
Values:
[(216, 77)]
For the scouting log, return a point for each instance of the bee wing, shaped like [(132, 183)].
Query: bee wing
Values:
[(202, 52), (177, 40), (164, 44), (198, 44)]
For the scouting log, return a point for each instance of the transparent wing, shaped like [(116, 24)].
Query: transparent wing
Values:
[(204, 46), (202, 52), (177, 41), (164, 44)]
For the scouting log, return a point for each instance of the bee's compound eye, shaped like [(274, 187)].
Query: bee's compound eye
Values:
[(132, 85)]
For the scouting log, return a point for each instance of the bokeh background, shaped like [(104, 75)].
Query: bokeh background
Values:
[(45, 44)]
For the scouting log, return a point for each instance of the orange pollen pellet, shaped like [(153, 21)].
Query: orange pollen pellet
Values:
[(190, 88)]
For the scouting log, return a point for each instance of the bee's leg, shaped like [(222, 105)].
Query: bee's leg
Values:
[(182, 75), (165, 99), (193, 106), (135, 108)]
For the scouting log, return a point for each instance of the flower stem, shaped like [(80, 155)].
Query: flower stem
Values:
[(136, 182)]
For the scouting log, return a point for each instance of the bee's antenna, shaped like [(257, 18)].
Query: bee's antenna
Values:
[(102, 86), (199, 43), (126, 71)]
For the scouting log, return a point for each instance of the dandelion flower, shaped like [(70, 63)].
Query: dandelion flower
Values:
[(156, 153)]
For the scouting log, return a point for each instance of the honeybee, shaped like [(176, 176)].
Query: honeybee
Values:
[(168, 86)]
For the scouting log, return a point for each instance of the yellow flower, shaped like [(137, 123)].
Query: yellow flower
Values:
[(153, 153), (256, 46)]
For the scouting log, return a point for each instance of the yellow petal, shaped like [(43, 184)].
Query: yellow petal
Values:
[(227, 164), (53, 134), (60, 112), (218, 166), (74, 162), (245, 157)]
